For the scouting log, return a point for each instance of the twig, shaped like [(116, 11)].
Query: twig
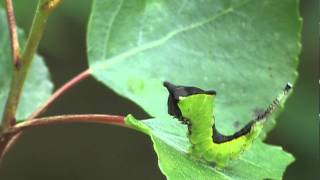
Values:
[(51, 5), (19, 75), (15, 49), (11, 137), (63, 119), (83, 75), (7, 141)]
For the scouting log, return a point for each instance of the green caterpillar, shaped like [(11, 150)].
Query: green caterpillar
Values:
[(194, 107)]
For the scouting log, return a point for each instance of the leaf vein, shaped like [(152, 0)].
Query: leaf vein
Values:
[(113, 18), (254, 164)]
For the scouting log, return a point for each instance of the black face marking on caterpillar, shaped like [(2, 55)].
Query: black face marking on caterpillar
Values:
[(175, 92)]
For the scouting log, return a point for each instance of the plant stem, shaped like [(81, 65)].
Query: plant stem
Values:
[(7, 141), (15, 49), (11, 137), (82, 76), (19, 75), (63, 119)]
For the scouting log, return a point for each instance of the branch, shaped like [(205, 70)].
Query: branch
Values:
[(82, 76), (63, 119), (19, 75), (7, 141), (11, 137), (15, 49), (50, 5)]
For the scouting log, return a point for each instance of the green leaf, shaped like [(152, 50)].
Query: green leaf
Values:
[(171, 145), (38, 86), (246, 50)]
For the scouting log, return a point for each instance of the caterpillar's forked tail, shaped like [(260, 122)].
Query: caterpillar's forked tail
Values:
[(275, 103), (220, 138)]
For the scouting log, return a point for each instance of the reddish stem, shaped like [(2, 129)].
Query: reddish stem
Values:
[(15, 49), (7, 141), (11, 137), (63, 119), (83, 75)]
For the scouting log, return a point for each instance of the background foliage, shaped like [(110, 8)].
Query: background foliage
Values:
[(76, 151)]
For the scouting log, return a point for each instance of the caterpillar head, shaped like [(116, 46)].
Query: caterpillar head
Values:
[(185, 94)]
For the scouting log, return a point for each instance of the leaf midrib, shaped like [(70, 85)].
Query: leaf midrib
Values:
[(255, 165)]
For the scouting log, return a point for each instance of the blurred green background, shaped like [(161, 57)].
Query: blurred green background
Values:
[(87, 151)]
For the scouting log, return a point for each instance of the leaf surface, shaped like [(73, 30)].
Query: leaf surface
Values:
[(171, 144), (246, 50)]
